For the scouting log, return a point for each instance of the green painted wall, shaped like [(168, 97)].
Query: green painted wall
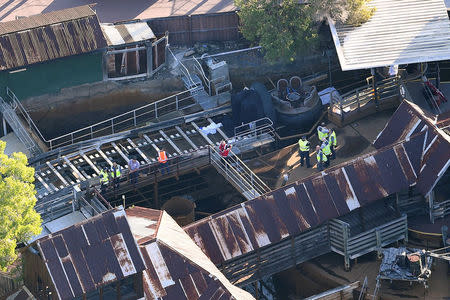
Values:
[(51, 76)]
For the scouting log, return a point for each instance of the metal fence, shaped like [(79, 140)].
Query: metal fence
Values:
[(351, 247), (125, 121), (187, 30), (364, 100)]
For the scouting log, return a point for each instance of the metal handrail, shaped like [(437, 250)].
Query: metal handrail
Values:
[(247, 178), (112, 123), (199, 68), (186, 71), (258, 127), (24, 113)]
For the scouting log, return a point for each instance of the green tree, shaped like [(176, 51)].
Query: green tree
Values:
[(18, 219), (286, 28)]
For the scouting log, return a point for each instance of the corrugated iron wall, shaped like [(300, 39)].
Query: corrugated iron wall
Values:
[(187, 30)]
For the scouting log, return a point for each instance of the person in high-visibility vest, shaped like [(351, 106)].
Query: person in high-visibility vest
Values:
[(321, 158), (116, 172), (322, 132), (104, 179), (303, 145), (326, 149), (333, 143), (163, 162)]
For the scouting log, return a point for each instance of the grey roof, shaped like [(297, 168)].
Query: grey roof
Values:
[(399, 32)]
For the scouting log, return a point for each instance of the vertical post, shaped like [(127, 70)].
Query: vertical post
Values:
[(357, 99), (378, 235), (105, 65), (149, 52), (374, 86), (155, 192), (431, 205), (71, 136), (176, 102), (134, 117), (156, 111), (345, 233), (112, 125), (92, 133), (5, 132)]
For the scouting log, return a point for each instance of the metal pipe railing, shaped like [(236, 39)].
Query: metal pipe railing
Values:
[(115, 124)]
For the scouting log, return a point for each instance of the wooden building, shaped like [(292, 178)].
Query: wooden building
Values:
[(44, 53)]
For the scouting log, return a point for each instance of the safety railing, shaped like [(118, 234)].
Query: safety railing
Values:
[(210, 84), (354, 101), (238, 174), (125, 121), (263, 126), (183, 69), (10, 115)]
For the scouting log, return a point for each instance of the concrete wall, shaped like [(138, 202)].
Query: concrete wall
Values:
[(52, 76)]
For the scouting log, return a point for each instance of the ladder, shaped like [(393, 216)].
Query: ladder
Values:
[(239, 175), (57, 175), (17, 126)]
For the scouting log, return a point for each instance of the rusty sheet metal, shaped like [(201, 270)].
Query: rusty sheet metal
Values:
[(144, 223), (49, 36), (171, 276), (427, 152), (407, 120), (92, 253), (290, 210), (178, 269)]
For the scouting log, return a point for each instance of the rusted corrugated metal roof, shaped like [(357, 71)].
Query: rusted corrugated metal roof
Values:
[(434, 149), (90, 254), (290, 210), (22, 294), (144, 223), (128, 33), (176, 268), (49, 36)]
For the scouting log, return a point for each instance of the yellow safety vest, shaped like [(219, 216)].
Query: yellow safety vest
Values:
[(332, 138), (118, 173), (327, 148), (104, 177), (304, 145), (319, 155), (322, 135)]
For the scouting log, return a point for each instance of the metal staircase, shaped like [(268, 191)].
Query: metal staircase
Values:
[(9, 113), (238, 174)]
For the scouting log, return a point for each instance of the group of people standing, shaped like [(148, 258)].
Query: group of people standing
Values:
[(114, 173), (324, 152)]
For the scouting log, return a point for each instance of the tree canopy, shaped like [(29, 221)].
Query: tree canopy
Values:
[(18, 220), (286, 28)]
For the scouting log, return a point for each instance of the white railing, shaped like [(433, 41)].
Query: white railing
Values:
[(210, 84), (125, 121), (255, 128), (238, 174)]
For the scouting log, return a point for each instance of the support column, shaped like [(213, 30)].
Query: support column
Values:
[(149, 51), (5, 131), (374, 85)]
